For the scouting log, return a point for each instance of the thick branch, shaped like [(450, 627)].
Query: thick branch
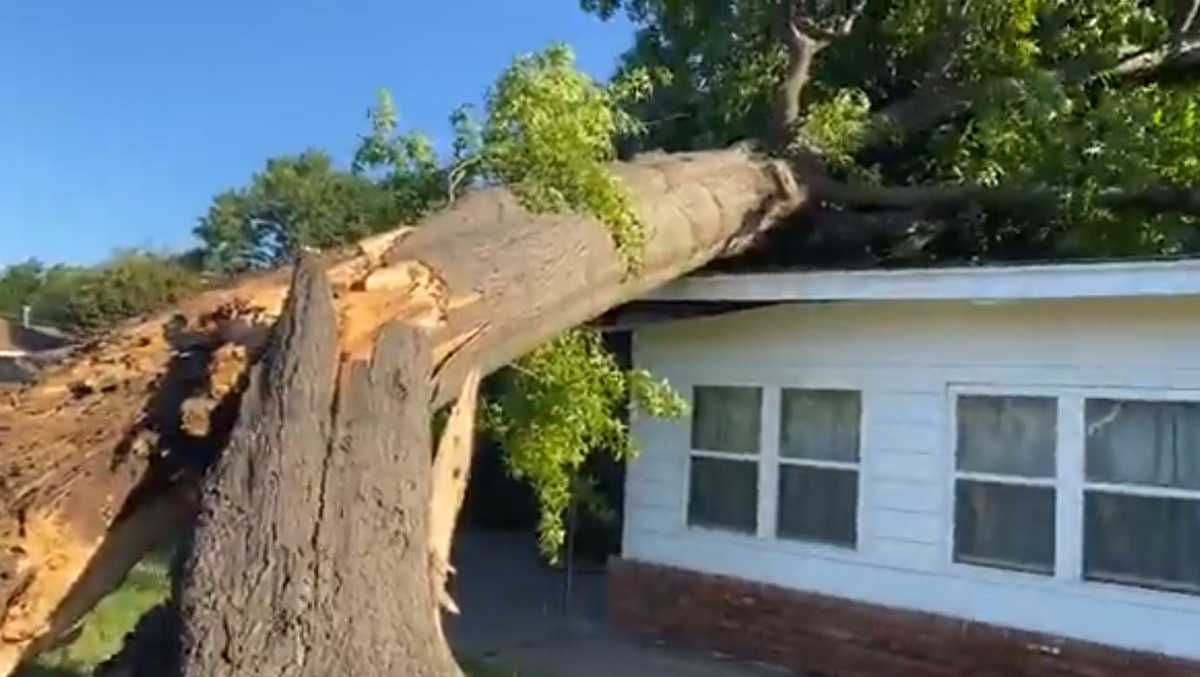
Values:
[(940, 100), (1176, 199), (804, 37)]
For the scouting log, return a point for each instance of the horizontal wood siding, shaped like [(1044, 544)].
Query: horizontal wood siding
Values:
[(905, 357)]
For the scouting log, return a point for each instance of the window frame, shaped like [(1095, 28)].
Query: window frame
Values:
[(1130, 489), (755, 459), (1070, 476), (781, 460), (956, 475), (768, 459)]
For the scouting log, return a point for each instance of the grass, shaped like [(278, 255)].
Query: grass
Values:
[(105, 628)]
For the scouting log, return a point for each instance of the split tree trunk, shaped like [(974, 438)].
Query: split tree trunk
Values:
[(103, 455), (311, 553)]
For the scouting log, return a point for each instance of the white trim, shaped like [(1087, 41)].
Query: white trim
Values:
[(1069, 455), (13, 353), (996, 478), (768, 468), (725, 455), (1062, 281), (817, 463), (1142, 490)]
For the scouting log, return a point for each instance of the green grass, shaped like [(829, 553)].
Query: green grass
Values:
[(106, 626)]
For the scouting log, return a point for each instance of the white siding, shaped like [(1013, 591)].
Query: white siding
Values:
[(906, 357)]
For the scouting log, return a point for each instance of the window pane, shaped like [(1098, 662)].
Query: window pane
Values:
[(1005, 526), (726, 418), (724, 494), (820, 424), (1150, 443), (818, 504), (1007, 435), (1142, 540)]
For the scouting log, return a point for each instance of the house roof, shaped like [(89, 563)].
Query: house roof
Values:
[(1113, 279), (17, 340)]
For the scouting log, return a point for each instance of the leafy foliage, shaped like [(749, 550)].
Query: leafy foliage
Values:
[(561, 403), (296, 202), (550, 135), (19, 285), (131, 283), (80, 299), (406, 163), (1036, 122)]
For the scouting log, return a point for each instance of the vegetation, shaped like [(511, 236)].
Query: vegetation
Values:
[(104, 629), (1033, 128), (84, 300)]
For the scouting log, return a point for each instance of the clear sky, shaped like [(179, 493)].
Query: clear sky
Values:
[(120, 120)]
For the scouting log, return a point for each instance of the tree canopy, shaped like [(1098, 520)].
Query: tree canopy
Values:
[(1036, 128)]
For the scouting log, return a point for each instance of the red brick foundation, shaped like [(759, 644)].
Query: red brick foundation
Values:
[(820, 635)]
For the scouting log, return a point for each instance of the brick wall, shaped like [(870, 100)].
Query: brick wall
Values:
[(820, 635)]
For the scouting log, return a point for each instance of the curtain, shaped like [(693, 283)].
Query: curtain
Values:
[(820, 424), (1145, 443), (1007, 435), (726, 418)]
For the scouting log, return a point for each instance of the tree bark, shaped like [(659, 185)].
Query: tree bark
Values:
[(132, 421), (311, 553)]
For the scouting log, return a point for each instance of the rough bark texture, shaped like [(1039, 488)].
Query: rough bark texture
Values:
[(125, 424), (311, 551)]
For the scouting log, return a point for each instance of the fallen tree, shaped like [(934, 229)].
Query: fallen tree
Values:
[(102, 454), (124, 442)]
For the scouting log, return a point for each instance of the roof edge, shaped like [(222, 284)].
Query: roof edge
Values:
[(1023, 282)]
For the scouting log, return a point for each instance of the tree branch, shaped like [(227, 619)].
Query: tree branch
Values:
[(1162, 198), (937, 102), (803, 36)]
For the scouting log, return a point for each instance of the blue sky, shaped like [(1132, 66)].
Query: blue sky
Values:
[(120, 120)]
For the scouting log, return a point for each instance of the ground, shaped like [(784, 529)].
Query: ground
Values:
[(516, 621), (515, 614)]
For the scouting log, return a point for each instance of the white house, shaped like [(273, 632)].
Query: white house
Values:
[(984, 471)]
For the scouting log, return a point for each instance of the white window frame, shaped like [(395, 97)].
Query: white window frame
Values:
[(1128, 489), (1070, 481), (756, 459), (779, 459), (768, 467), (956, 475)]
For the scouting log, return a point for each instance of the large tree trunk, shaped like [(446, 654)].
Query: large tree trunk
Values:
[(103, 455), (311, 552)]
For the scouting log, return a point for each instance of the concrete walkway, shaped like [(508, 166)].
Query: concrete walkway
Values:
[(513, 617)]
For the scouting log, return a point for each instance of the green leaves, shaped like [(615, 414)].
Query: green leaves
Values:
[(561, 403), (550, 137), (297, 202), (86, 300)]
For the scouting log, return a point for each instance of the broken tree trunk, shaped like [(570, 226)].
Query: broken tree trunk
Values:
[(103, 455), (311, 553)]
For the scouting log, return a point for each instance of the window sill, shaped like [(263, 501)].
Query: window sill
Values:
[(1110, 592), (784, 546)]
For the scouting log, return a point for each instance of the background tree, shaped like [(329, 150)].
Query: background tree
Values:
[(295, 203)]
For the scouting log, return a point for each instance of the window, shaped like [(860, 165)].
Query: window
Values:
[(723, 480), (1005, 482), (818, 466), (1142, 494)]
